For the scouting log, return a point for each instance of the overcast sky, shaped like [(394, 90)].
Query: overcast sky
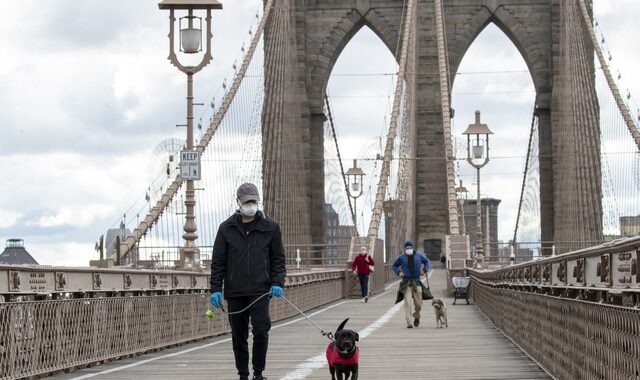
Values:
[(86, 93)]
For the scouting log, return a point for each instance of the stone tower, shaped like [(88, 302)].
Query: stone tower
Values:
[(546, 32)]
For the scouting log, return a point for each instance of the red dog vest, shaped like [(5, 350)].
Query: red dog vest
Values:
[(333, 356)]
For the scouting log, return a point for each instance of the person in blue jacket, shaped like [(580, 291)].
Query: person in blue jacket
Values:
[(409, 266)]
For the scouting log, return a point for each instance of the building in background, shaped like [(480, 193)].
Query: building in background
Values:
[(15, 254), (107, 246), (336, 236), (630, 225), (489, 217)]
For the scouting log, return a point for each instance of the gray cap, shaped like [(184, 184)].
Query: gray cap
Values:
[(248, 192)]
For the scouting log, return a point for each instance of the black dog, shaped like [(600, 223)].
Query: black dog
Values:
[(343, 354)]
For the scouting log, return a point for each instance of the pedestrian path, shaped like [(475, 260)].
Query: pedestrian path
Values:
[(469, 349)]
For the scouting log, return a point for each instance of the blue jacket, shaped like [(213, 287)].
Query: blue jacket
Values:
[(420, 260)]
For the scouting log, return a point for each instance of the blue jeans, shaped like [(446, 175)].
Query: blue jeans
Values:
[(364, 284)]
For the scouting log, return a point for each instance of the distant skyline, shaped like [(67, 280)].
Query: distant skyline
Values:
[(87, 93)]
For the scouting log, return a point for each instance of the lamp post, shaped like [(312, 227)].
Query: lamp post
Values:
[(190, 43), (478, 133), (354, 178)]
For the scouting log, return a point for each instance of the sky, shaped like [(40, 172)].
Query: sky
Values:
[(86, 94)]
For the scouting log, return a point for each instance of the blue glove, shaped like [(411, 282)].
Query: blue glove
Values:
[(276, 291), (216, 300)]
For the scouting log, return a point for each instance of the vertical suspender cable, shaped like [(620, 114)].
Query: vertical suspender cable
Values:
[(376, 216), (628, 119)]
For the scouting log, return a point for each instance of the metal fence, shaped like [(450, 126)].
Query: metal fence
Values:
[(313, 256), (570, 339), (40, 337), (576, 314)]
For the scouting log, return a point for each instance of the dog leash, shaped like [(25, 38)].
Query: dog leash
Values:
[(328, 334), (246, 308)]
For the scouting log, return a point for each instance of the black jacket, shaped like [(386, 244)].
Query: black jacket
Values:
[(247, 261)]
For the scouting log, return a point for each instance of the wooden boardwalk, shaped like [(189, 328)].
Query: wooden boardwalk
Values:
[(469, 349)]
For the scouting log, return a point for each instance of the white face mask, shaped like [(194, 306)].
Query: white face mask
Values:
[(249, 209), (408, 251)]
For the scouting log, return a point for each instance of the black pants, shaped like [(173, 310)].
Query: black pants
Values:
[(260, 323), (364, 284)]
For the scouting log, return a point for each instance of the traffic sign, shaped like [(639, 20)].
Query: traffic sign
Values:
[(190, 165)]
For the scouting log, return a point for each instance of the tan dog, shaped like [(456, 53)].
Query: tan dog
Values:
[(441, 312)]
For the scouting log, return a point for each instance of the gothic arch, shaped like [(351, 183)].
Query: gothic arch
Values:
[(534, 50), (320, 64)]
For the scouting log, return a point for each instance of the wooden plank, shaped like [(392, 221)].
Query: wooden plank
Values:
[(469, 349)]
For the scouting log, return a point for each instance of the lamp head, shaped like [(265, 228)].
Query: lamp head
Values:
[(190, 27), (354, 176), (477, 128), (191, 35), (479, 133)]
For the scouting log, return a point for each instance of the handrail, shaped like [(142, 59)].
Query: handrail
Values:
[(615, 246), (608, 273)]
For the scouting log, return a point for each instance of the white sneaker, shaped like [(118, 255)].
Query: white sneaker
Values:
[(363, 300)]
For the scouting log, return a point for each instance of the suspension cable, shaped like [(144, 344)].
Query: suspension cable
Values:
[(168, 195), (443, 66), (631, 125), (376, 216), (344, 177), (524, 176)]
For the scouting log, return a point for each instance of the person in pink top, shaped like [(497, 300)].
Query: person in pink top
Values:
[(361, 266)]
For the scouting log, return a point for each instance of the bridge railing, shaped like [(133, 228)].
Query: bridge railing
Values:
[(313, 256), (576, 314), (40, 337)]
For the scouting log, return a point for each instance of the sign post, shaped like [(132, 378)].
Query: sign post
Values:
[(190, 165)]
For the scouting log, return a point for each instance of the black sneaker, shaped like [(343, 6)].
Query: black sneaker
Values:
[(259, 377), (409, 326), (416, 322), (244, 377), (366, 299)]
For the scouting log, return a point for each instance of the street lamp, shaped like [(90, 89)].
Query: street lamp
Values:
[(354, 178), (190, 43), (478, 134)]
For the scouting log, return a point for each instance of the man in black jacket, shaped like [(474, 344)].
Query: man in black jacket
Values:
[(248, 257)]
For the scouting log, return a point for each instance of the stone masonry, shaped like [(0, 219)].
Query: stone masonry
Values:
[(324, 27)]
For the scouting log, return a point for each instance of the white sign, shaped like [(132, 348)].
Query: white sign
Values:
[(190, 165)]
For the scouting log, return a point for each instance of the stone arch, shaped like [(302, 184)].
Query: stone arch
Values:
[(532, 45), (320, 64)]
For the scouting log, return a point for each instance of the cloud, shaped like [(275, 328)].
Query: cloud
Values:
[(9, 218), (77, 217), (87, 93), (72, 254)]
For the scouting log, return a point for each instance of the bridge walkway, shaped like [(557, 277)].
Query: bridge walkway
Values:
[(469, 349)]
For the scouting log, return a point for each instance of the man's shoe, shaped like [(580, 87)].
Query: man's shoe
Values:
[(244, 377), (409, 326), (416, 322), (366, 299), (259, 377), (363, 300)]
